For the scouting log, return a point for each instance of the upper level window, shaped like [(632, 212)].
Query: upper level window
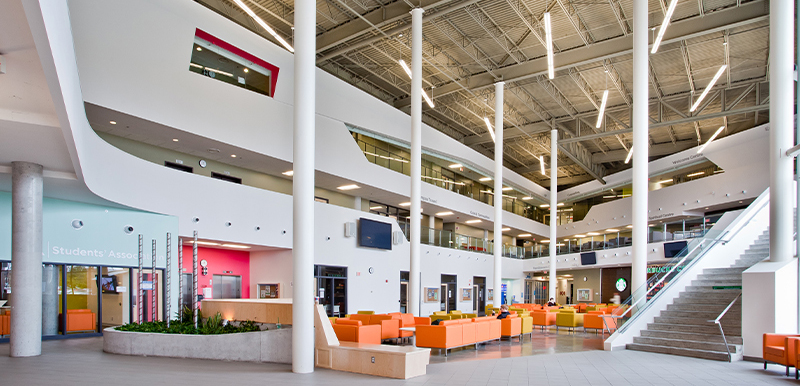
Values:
[(222, 61)]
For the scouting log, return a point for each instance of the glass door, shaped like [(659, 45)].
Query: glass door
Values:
[(114, 284), (81, 290)]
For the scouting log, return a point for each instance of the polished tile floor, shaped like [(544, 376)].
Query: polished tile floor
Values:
[(551, 359)]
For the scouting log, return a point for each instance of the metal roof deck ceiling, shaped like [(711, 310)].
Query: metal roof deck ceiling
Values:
[(469, 43)]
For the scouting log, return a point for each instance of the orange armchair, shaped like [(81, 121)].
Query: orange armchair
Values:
[(543, 318), (81, 320), (778, 350), (511, 327), (390, 326), (5, 324), (354, 331), (593, 319)]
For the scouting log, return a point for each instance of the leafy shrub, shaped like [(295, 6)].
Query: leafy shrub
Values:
[(184, 324)]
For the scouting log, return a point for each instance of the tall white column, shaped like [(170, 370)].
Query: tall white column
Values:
[(26, 259), (553, 207), (357, 203), (416, 159), (797, 135), (640, 127), (781, 63), (498, 191), (303, 186)]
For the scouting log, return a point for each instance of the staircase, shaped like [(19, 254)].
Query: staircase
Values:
[(683, 328)]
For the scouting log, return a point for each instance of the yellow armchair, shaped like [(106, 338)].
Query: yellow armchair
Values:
[(527, 326), (569, 318)]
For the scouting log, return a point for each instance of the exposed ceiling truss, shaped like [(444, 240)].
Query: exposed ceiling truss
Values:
[(470, 44)]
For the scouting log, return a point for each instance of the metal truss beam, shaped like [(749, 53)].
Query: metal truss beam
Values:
[(713, 22)]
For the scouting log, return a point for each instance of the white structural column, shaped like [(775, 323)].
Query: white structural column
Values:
[(640, 125), (303, 186), (416, 160), (498, 192), (357, 203), (797, 135), (26, 259), (553, 207), (781, 63), (431, 232)]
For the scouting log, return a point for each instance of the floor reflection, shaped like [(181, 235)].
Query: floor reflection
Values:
[(539, 343)]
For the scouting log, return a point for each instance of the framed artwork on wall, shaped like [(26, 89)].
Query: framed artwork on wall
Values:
[(584, 294), (466, 294), (431, 295)]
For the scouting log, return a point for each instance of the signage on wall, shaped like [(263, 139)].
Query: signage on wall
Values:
[(428, 199), (621, 284), (479, 215)]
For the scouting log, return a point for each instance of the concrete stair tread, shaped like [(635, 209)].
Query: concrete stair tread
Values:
[(711, 338), (688, 344), (708, 328), (705, 354)]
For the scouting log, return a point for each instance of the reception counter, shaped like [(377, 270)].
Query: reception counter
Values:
[(257, 310)]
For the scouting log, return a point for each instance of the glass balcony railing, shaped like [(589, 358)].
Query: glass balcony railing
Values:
[(687, 229)]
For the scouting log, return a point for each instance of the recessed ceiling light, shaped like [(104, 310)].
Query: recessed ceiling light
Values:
[(525, 235), (348, 187), (612, 230), (444, 214), (484, 179), (174, 139), (288, 173), (507, 188), (629, 226), (527, 198), (405, 203), (199, 48), (473, 221), (593, 234), (375, 207), (545, 241), (455, 166), (544, 205), (233, 155), (206, 243), (580, 236), (112, 122), (505, 229), (246, 70), (236, 246)]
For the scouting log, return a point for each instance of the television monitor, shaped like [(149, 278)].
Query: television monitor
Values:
[(374, 234), (676, 249), (109, 284), (588, 258)]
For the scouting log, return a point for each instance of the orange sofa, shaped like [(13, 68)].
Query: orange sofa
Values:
[(795, 342), (349, 330), (777, 350), (458, 332), (543, 318), (81, 320), (390, 325)]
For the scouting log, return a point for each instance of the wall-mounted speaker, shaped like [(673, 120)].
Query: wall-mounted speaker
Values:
[(349, 229), (398, 237)]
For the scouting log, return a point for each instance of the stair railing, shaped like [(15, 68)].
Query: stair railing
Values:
[(694, 251), (716, 321)]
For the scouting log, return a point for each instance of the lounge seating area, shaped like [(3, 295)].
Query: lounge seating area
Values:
[(781, 349)]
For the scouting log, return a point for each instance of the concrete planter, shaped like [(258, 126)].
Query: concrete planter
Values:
[(263, 346)]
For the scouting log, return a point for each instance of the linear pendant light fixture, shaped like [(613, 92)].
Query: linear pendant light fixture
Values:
[(541, 164), (708, 88), (408, 72), (716, 133), (664, 25), (263, 24), (630, 153), (602, 109), (548, 31), (489, 127)]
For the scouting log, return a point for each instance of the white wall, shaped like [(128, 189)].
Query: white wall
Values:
[(270, 267), (769, 303)]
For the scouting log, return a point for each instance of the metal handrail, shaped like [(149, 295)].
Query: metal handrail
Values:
[(716, 321)]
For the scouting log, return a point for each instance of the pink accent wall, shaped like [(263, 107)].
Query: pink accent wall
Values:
[(219, 260)]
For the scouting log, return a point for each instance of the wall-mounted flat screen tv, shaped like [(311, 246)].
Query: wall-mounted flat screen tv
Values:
[(588, 258), (676, 249), (374, 234), (109, 284)]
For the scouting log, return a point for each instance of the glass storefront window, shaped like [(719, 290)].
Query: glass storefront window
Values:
[(116, 300), (81, 290)]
